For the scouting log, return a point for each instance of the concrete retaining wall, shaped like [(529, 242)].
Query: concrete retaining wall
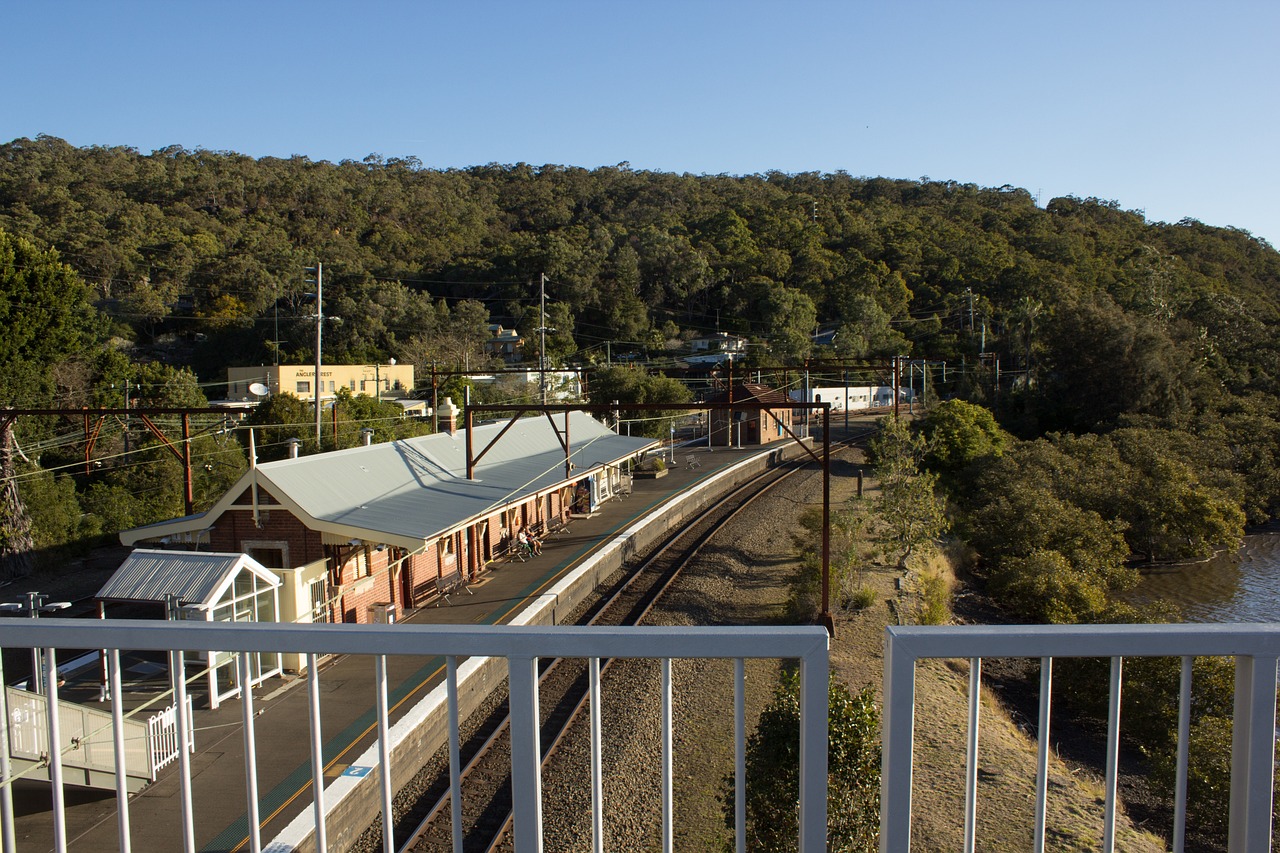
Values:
[(351, 802)]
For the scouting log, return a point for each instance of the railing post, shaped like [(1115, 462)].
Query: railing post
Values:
[(250, 752), (668, 816), (384, 753), (1042, 752), (177, 665), (971, 755), (896, 739), (739, 756), (455, 752), (317, 751), (1184, 752), (115, 678), (597, 759), (815, 684), (8, 838), (55, 752), (526, 753), (1113, 756), (1253, 737)]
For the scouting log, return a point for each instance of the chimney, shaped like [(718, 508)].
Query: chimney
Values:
[(294, 443), (447, 417), (366, 434)]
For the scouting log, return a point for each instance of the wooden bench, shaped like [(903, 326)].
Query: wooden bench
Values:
[(448, 584)]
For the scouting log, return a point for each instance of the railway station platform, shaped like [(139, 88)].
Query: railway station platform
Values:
[(347, 696)]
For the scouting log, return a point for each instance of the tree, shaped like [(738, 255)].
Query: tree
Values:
[(358, 413), (46, 317), (773, 777), (278, 419), (788, 317), (625, 385), (958, 433), (909, 513)]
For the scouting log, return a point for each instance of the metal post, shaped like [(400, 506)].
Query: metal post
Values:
[(317, 751), (827, 618), (597, 762), (1042, 764), (1184, 745), (384, 754), (455, 753), (542, 330), (250, 752), (526, 780), (55, 759), (36, 683), (1113, 756), (971, 755), (319, 330), (739, 756), (117, 746), (6, 789), (668, 828), (177, 669)]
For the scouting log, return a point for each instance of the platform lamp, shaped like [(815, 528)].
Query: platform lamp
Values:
[(35, 604)]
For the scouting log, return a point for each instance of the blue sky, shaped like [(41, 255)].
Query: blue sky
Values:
[(1165, 107)]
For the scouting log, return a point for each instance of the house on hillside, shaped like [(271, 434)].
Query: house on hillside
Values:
[(766, 418), (357, 534), (389, 381), (716, 349), (504, 343)]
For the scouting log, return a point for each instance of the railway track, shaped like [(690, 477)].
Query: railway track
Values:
[(427, 823)]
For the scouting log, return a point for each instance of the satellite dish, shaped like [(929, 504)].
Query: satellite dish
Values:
[(259, 389)]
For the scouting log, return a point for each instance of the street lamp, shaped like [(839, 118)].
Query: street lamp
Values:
[(673, 443)]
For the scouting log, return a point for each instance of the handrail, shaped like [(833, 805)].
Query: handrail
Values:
[(1256, 648)]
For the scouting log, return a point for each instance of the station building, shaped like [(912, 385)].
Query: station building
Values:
[(767, 419), (358, 535)]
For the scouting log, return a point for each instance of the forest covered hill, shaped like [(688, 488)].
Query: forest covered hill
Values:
[(196, 259)]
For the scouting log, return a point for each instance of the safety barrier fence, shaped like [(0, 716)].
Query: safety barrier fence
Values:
[(1255, 648), (520, 646)]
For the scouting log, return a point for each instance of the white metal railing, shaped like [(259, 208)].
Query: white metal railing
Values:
[(150, 744), (1255, 647), (521, 646)]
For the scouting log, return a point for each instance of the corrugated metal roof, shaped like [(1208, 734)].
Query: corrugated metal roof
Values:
[(408, 492), (417, 488), (193, 577)]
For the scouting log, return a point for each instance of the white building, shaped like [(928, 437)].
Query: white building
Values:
[(854, 398)]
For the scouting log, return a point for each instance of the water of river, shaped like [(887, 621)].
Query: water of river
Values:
[(1239, 587)]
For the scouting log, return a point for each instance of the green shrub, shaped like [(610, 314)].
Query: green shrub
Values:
[(935, 599), (853, 767), (861, 598)]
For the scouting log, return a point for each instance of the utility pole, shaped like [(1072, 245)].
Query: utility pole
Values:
[(319, 282), (542, 330)]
